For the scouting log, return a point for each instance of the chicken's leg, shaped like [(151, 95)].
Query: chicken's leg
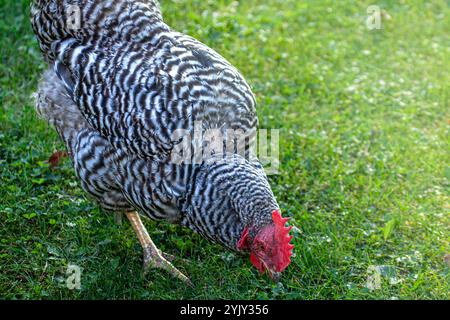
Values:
[(153, 257)]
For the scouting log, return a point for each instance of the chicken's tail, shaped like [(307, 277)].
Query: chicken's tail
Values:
[(56, 106), (58, 20)]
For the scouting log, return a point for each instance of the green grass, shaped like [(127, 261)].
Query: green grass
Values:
[(364, 159)]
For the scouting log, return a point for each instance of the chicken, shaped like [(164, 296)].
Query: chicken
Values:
[(120, 88)]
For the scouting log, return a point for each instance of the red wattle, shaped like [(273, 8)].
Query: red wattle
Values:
[(243, 243), (256, 262)]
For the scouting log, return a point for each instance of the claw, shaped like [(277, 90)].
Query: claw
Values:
[(159, 261), (167, 256), (171, 258)]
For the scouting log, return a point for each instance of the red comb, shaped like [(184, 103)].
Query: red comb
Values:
[(283, 238)]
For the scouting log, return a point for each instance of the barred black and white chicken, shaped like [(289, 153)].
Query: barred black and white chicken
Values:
[(120, 87)]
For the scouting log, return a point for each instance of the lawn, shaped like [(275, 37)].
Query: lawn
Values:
[(364, 122)]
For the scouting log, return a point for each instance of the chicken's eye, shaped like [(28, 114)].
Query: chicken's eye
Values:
[(260, 246)]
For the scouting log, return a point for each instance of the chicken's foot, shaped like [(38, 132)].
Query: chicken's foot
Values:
[(153, 257)]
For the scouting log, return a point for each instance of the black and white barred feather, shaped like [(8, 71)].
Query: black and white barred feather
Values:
[(118, 86)]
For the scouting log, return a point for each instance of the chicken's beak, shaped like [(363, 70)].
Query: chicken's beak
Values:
[(275, 276)]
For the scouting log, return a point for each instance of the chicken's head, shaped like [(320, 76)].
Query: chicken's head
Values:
[(270, 248)]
